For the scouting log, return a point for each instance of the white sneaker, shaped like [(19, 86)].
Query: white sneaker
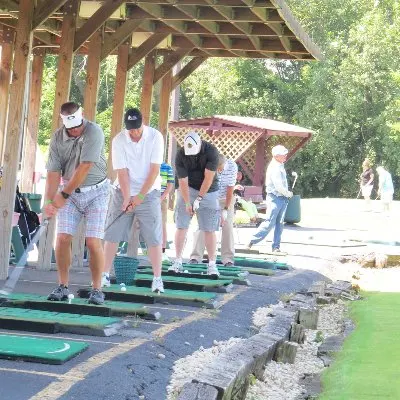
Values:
[(212, 270), (157, 285), (165, 259), (176, 267), (105, 279)]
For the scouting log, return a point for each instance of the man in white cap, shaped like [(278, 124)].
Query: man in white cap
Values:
[(76, 155), (196, 165), (277, 200)]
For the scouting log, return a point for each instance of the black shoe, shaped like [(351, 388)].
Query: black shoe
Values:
[(193, 261), (229, 264), (96, 297), (60, 293)]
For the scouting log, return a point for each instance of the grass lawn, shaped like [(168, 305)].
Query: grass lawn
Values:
[(368, 365)]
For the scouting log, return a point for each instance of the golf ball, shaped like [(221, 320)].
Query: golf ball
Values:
[(185, 271), (122, 284), (123, 289)]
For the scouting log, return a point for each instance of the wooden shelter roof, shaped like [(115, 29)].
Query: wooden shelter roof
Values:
[(199, 28)]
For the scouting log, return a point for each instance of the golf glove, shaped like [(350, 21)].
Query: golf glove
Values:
[(196, 203), (224, 215)]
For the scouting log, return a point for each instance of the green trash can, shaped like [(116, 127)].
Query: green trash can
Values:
[(35, 201), (293, 211)]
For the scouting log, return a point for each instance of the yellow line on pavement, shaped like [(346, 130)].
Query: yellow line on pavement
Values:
[(32, 372), (57, 389)]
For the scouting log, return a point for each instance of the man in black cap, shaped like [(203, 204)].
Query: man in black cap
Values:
[(137, 153)]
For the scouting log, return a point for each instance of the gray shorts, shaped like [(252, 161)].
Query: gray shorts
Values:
[(208, 214), (148, 215)]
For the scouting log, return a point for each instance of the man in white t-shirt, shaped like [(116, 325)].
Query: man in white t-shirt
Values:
[(137, 153)]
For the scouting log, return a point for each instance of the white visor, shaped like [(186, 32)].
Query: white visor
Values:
[(192, 144), (74, 120)]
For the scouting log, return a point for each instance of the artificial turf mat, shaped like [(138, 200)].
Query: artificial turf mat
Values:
[(199, 299), (79, 306), (53, 322), (48, 351)]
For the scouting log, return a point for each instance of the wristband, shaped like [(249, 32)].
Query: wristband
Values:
[(141, 196), (188, 204), (46, 202)]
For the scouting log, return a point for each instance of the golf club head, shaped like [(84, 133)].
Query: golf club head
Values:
[(294, 173)]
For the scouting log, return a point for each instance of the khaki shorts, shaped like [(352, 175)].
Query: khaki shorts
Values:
[(148, 215)]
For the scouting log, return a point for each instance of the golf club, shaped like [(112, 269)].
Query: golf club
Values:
[(9, 286), (295, 178)]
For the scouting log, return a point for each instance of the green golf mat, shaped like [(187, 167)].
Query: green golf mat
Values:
[(198, 299), (194, 284), (79, 306), (259, 263), (47, 351), (54, 322), (197, 273)]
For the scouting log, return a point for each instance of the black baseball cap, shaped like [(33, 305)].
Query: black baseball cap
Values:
[(133, 119)]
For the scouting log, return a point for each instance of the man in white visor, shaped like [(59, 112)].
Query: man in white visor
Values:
[(76, 157)]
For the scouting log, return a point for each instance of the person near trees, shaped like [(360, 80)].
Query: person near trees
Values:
[(227, 172), (196, 165), (137, 154), (278, 196), (77, 156), (386, 188), (167, 186), (367, 182)]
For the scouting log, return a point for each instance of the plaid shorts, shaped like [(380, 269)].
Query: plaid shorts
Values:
[(92, 204)]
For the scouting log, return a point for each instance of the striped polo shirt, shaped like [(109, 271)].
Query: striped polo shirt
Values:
[(227, 177), (167, 176)]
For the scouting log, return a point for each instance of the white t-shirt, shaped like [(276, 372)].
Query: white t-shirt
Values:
[(137, 156)]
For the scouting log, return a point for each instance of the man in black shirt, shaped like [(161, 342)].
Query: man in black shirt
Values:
[(195, 165)]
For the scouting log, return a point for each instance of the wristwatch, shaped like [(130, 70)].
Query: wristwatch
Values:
[(200, 198), (65, 195)]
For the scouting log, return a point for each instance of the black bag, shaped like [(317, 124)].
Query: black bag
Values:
[(28, 221)]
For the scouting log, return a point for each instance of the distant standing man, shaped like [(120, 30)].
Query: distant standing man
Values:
[(367, 182), (137, 153), (167, 186), (227, 172), (77, 155), (277, 200), (386, 188), (196, 164)]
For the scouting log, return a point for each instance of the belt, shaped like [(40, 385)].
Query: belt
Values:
[(87, 188)]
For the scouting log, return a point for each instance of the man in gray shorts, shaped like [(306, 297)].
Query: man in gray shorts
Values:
[(77, 155), (137, 153), (196, 164)]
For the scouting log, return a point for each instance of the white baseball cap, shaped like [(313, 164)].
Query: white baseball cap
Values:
[(74, 120), (192, 143), (279, 150)]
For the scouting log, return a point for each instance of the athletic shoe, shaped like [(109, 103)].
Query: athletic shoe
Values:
[(176, 267), (279, 251), (60, 293), (165, 259), (229, 264), (193, 261), (249, 246), (157, 285), (105, 279), (212, 270), (96, 297)]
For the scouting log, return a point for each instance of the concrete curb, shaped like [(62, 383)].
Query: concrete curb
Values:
[(228, 377)]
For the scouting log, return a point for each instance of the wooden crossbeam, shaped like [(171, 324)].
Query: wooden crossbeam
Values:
[(190, 67), (169, 62), (95, 22), (111, 42), (145, 48), (44, 10)]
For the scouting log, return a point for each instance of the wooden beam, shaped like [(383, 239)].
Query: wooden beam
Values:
[(5, 76), (92, 76), (145, 48), (44, 10), (165, 97), (147, 87), (15, 128), (111, 42), (30, 142), (119, 100), (190, 67), (169, 62), (95, 22)]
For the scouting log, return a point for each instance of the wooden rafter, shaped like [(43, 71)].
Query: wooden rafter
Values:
[(169, 62), (190, 67), (44, 9)]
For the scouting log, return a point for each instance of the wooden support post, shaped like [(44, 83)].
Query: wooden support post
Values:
[(64, 71), (119, 99), (147, 87), (30, 142), (165, 96), (259, 169), (15, 125), (5, 76)]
